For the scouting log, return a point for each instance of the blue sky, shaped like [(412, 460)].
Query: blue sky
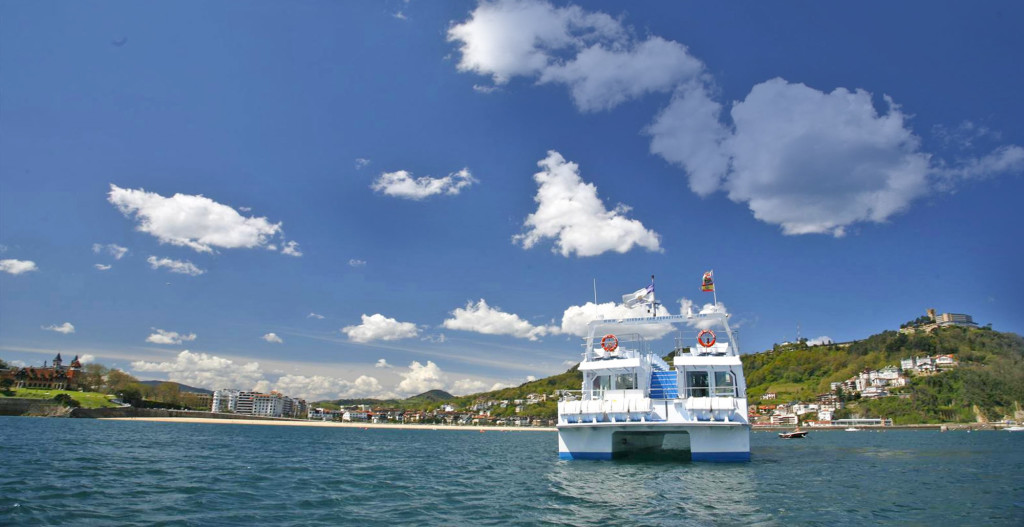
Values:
[(379, 198)]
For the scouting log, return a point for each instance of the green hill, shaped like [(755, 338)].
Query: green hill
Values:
[(989, 383)]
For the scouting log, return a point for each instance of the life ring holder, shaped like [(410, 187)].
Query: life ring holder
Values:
[(700, 338), (609, 343)]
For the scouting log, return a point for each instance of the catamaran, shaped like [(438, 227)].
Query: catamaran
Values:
[(632, 400)]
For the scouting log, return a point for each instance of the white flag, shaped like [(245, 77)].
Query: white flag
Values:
[(638, 296)]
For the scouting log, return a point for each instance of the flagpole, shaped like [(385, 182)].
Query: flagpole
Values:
[(714, 290)]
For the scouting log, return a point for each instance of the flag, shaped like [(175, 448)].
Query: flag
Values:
[(639, 296), (708, 285)]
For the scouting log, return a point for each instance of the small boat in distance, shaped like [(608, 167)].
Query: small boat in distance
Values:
[(853, 429), (795, 434), (1017, 428)]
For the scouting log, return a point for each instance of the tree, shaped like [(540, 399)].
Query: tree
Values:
[(91, 377), (167, 392), (5, 385), (118, 380), (66, 400)]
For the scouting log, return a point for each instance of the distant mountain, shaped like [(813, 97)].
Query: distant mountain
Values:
[(181, 387), (432, 396)]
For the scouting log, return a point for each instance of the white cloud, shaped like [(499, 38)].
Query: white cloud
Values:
[(507, 38), (401, 184), (160, 336), (314, 315), (64, 328), (379, 327), (319, 387), (483, 88), (102, 267), (192, 221), (1004, 159), (361, 162), (570, 212), (436, 339), (688, 133), (422, 378), (356, 263), (399, 15), (273, 338), (481, 318), (291, 249), (86, 358), (112, 249), (17, 267), (382, 363), (819, 341), (600, 78), (591, 53), (175, 266), (576, 318), (206, 371)]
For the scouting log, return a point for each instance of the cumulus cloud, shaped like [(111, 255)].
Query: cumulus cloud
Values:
[(592, 54), (356, 263), (809, 161), (820, 341), (570, 212), (65, 328), (175, 266), (206, 371), (160, 336), (17, 267), (112, 249), (314, 315), (402, 185), (509, 38), (192, 221), (481, 318), (102, 267), (600, 78), (576, 318), (379, 327), (318, 387), (382, 363), (291, 248), (421, 378), (272, 338), (86, 358)]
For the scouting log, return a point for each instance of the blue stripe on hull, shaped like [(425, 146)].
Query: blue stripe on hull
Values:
[(721, 457), (585, 455), (712, 457)]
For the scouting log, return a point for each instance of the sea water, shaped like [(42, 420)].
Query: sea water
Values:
[(92, 472)]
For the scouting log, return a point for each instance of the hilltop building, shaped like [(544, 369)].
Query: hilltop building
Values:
[(933, 320)]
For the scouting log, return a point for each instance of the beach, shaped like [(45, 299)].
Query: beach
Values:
[(329, 424)]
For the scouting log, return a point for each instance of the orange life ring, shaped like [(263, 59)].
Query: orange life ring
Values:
[(614, 342), (700, 339)]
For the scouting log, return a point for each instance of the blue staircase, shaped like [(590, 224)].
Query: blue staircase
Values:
[(664, 385)]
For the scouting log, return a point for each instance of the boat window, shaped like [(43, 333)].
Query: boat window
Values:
[(625, 381), (697, 383), (725, 384), (603, 382)]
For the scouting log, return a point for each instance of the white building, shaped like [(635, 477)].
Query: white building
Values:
[(225, 401)]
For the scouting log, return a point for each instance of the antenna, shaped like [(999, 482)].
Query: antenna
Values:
[(595, 291)]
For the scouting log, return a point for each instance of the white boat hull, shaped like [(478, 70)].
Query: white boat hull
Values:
[(727, 442)]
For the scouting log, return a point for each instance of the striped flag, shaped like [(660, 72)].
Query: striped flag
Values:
[(708, 286)]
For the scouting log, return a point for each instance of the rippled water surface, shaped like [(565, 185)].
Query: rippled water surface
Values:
[(89, 472)]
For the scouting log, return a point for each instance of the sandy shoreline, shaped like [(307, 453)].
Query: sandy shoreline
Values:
[(329, 424)]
